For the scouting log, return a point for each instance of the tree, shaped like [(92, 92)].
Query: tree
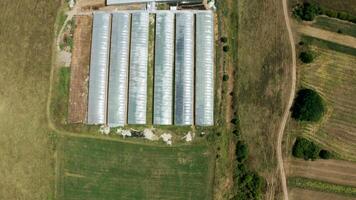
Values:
[(324, 154), (308, 106), (241, 151), (306, 56), (307, 11), (223, 39), (226, 48), (306, 149)]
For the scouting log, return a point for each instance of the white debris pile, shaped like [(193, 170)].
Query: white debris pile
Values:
[(149, 135), (189, 137), (167, 138), (104, 130), (71, 3), (125, 133)]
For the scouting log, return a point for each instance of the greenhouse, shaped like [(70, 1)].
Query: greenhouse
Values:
[(184, 68), (138, 68), (119, 67), (204, 97), (97, 99), (164, 59)]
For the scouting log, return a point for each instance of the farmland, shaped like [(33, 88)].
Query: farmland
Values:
[(335, 25), (297, 194), (332, 74), (25, 52), (104, 169)]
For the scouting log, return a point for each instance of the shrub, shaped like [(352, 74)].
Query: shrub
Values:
[(225, 77), (308, 106), (324, 154), (306, 149), (223, 39), (241, 151), (306, 56), (307, 11), (226, 48)]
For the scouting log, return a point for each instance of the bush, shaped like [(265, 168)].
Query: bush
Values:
[(324, 154), (308, 106), (307, 11), (241, 151), (223, 39), (306, 149), (306, 56), (226, 48), (225, 77)]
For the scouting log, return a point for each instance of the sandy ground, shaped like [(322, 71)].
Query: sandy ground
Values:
[(327, 35), (77, 110), (333, 171), (302, 194)]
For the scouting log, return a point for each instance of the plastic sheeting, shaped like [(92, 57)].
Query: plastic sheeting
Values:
[(138, 68), (118, 76), (164, 60), (204, 97), (99, 69), (184, 77)]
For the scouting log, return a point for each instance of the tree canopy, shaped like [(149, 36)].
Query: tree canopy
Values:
[(308, 106)]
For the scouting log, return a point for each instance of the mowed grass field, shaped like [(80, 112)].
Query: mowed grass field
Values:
[(335, 25), (263, 82), (333, 74), (26, 153), (103, 169)]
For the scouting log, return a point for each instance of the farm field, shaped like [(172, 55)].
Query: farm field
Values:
[(77, 110), (298, 194), (335, 25), (332, 74), (103, 169), (344, 5), (262, 83), (333, 171), (26, 150)]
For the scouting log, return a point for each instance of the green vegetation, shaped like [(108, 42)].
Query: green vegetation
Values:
[(60, 99), (308, 106), (26, 153), (226, 48), (306, 149), (311, 184), (308, 11), (104, 169), (335, 25), (306, 56), (248, 184), (328, 45)]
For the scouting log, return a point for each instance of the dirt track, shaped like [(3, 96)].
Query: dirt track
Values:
[(327, 35), (289, 104), (302, 194), (333, 171)]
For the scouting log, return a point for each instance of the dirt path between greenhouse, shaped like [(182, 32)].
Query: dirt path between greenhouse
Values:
[(289, 104)]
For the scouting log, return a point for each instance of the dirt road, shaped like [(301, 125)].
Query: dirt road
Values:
[(289, 104)]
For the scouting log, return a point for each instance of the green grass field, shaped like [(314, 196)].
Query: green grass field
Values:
[(328, 45), (26, 153), (102, 169), (322, 186), (335, 25)]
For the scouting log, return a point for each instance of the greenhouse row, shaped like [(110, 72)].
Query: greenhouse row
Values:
[(183, 86)]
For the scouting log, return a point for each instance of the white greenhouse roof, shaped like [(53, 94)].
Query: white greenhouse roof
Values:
[(99, 69), (113, 2), (204, 97), (138, 68), (184, 69), (119, 67), (164, 59), (183, 82)]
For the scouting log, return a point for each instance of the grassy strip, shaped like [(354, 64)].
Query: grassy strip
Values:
[(151, 49), (60, 100), (328, 45), (335, 25), (311, 184)]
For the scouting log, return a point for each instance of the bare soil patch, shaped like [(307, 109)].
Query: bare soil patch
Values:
[(77, 111), (302, 194)]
